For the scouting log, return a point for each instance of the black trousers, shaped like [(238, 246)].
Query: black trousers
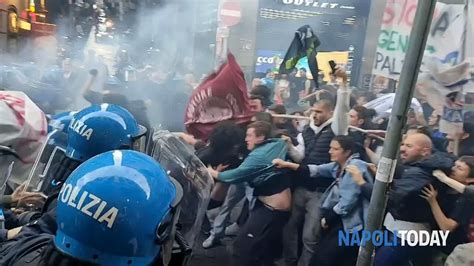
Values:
[(259, 240), (244, 214), (329, 253)]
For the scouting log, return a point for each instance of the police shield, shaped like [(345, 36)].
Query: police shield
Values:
[(179, 161), (7, 162), (44, 174)]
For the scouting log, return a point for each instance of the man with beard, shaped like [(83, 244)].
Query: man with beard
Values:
[(406, 210), (313, 148)]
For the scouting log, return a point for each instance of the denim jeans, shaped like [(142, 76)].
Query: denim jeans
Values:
[(235, 194)]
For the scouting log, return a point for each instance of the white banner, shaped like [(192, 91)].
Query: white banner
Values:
[(445, 41), (23, 127)]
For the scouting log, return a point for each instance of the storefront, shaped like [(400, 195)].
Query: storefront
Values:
[(340, 25)]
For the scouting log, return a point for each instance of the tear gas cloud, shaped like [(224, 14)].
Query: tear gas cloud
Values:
[(159, 41)]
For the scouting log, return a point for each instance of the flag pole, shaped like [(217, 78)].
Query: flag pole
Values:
[(408, 78)]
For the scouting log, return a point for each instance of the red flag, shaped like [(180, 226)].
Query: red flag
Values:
[(221, 96)]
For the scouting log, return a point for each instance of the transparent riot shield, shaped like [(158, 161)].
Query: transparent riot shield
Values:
[(45, 169), (178, 159), (7, 162)]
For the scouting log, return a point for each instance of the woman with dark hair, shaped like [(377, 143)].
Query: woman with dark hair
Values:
[(226, 145), (343, 206)]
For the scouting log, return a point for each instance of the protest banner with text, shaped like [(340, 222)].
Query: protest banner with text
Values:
[(445, 40)]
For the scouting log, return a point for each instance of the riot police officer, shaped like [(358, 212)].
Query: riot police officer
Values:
[(92, 131), (101, 227)]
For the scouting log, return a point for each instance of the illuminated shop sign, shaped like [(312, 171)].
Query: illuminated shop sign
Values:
[(316, 4)]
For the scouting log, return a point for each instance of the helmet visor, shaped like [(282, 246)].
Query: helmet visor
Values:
[(140, 140)]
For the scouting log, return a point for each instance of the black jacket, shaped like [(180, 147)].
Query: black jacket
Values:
[(316, 152), (26, 251), (405, 202)]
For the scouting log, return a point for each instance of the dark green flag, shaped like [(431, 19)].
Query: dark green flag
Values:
[(304, 44)]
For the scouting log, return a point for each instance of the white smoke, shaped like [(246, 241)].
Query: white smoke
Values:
[(167, 28)]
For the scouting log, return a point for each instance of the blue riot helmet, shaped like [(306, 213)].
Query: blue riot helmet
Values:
[(60, 121), (100, 128), (117, 208)]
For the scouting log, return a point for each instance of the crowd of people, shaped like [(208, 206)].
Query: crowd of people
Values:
[(321, 183), (304, 168)]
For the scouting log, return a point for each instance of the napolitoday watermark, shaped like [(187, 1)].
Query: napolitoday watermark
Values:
[(423, 238)]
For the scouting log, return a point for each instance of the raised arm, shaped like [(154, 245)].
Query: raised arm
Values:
[(340, 122), (459, 187)]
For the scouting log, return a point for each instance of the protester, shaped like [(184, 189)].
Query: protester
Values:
[(360, 117), (439, 138), (282, 90), (313, 147), (263, 116), (224, 147), (343, 207), (364, 97), (299, 124), (281, 123), (259, 238), (452, 213), (466, 143), (406, 210), (113, 94)]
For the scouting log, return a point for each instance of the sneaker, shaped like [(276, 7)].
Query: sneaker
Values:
[(232, 229), (210, 242)]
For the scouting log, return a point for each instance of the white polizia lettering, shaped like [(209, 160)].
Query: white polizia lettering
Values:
[(88, 204), (80, 128), (313, 3)]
